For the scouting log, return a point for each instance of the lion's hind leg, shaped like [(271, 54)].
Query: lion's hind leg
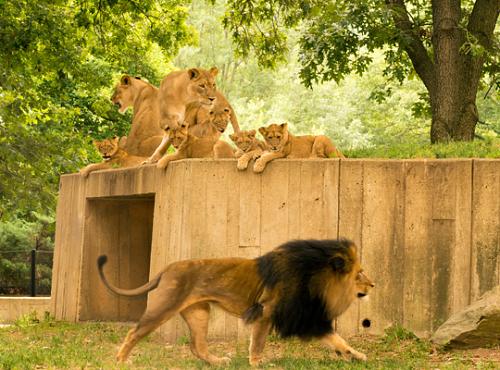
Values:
[(196, 316), (163, 303), (339, 345)]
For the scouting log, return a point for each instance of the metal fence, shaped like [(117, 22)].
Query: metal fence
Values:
[(26, 273)]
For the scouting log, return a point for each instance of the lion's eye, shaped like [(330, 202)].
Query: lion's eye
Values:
[(203, 86), (211, 112)]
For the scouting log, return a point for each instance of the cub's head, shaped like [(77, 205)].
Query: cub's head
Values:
[(219, 117), (243, 139), (124, 94), (107, 147), (276, 136), (178, 136), (202, 85)]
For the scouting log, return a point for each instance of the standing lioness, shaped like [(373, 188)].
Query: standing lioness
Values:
[(177, 90)]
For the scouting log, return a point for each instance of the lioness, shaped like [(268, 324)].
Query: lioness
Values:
[(298, 289), (113, 157), (177, 90), (204, 120), (249, 147), (145, 133), (189, 146), (282, 144)]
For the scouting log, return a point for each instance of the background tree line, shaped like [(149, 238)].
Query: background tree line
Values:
[(348, 69)]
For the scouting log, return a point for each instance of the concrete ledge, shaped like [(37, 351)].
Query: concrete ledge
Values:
[(11, 308)]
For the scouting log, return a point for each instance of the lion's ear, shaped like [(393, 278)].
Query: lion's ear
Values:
[(233, 137), (213, 71), (125, 80), (340, 264), (262, 131), (193, 73), (251, 133), (284, 126)]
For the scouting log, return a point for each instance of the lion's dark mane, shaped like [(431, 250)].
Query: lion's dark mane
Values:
[(294, 264)]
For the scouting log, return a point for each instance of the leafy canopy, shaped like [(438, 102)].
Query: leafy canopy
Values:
[(57, 61)]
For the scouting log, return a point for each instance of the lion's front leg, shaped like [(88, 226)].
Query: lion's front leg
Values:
[(163, 163), (94, 167), (243, 161), (162, 148), (336, 343), (260, 164), (260, 330)]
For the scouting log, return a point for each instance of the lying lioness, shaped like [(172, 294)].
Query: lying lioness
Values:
[(113, 157), (298, 289), (282, 144)]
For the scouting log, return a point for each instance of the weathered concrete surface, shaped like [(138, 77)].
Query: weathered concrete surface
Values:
[(428, 232), (11, 308), (478, 325)]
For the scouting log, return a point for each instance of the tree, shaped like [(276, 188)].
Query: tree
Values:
[(449, 44), (58, 61)]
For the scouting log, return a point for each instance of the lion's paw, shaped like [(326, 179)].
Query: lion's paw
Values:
[(242, 165), (259, 166), (214, 360), (255, 361)]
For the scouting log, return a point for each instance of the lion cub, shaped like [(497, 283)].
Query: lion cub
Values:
[(282, 144), (113, 157), (189, 146), (249, 147)]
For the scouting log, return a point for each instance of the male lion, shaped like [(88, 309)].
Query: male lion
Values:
[(177, 90), (298, 289), (189, 146), (249, 147), (145, 133), (113, 157), (282, 144)]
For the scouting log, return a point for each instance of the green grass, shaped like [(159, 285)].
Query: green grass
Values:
[(46, 343), (488, 148)]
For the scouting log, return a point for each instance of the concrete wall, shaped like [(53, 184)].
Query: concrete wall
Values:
[(12, 308), (428, 230)]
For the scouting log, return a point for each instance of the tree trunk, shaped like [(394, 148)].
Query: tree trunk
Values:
[(456, 77), (452, 74)]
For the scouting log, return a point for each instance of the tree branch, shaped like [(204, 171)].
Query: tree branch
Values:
[(416, 50), (482, 20)]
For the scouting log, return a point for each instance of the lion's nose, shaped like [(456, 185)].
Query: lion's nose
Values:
[(211, 98)]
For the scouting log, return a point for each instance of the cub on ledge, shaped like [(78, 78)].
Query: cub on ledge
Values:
[(113, 157), (297, 289), (282, 144)]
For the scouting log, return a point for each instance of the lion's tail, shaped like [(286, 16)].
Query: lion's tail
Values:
[(101, 261)]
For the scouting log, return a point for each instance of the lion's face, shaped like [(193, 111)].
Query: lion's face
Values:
[(202, 85), (219, 117), (243, 139), (178, 136), (276, 136), (363, 285), (107, 147), (124, 96)]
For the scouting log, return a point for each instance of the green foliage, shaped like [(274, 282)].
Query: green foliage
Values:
[(17, 239), (489, 148), (62, 58), (338, 37)]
